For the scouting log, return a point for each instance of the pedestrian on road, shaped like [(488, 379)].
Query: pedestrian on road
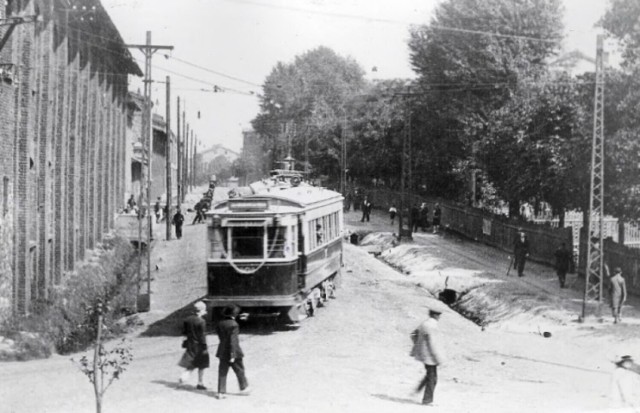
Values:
[(618, 294), (424, 216), (520, 252), (178, 220), (366, 209), (415, 218), (131, 203), (437, 214), (427, 349), (196, 355), (392, 213), (625, 385), (229, 352), (347, 201), (563, 263), (157, 209), (199, 214)]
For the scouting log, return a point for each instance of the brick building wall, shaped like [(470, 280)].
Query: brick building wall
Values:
[(7, 108), (62, 145)]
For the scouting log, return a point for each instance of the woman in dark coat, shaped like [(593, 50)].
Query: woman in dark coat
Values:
[(196, 355)]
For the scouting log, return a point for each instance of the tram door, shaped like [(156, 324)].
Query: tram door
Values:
[(302, 258)]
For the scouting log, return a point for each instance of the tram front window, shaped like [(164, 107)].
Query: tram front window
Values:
[(247, 242)]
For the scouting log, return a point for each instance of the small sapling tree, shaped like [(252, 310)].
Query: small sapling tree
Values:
[(107, 365)]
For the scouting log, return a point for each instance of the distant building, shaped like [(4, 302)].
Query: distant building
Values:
[(63, 115), (574, 63), (159, 160), (214, 161)]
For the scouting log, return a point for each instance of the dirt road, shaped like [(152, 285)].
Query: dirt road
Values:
[(351, 357)]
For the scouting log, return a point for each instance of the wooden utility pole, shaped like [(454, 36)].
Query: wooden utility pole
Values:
[(179, 156), (193, 165), (183, 171), (168, 158), (186, 161), (147, 136)]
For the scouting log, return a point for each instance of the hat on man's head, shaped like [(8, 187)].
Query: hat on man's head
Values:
[(231, 311), (200, 306), (617, 270)]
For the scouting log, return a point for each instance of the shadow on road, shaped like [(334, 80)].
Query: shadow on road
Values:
[(171, 325), (184, 387), (395, 399)]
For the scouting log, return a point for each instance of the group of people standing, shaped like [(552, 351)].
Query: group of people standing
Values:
[(229, 353), (563, 264), (420, 217)]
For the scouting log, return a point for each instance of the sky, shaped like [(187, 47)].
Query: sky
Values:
[(236, 43)]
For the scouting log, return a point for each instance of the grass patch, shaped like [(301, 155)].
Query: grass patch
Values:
[(66, 321)]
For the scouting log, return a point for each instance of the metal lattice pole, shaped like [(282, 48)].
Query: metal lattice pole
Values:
[(594, 274)]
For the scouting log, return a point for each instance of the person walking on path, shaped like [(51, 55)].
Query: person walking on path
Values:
[(563, 263), (427, 349), (229, 352), (366, 209), (196, 355), (437, 214), (392, 213), (178, 220), (520, 252), (618, 293), (199, 213)]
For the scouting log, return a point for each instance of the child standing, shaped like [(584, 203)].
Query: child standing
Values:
[(392, 213)]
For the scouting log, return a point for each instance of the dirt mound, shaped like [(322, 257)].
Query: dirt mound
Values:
[(480, 295)]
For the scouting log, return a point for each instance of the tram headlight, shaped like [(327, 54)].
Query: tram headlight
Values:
[(216, 221), (276, 221)]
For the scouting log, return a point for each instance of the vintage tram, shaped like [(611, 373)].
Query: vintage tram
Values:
[(275, 247)]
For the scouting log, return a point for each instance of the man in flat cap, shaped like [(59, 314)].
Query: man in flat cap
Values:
[(427, 349)]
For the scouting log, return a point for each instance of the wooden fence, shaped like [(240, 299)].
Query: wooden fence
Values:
[(495, 230)]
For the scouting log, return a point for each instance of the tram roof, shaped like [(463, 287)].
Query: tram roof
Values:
[(297, 196)]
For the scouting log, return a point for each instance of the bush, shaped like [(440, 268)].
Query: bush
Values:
[(67, 319)]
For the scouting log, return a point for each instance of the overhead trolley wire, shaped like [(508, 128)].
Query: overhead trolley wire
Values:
[(391, 21)]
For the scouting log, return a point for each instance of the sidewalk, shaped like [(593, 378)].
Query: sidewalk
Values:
[(539, 286)]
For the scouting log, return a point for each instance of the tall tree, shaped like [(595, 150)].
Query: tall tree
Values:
[(471, 59), (302, 104)]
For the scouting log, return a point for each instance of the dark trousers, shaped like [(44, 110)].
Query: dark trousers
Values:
[(429, 383), (179, 231), (238, 368), (562, 276), (519, 264), (365, 216)]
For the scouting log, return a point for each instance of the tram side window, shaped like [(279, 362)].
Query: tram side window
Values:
[(247, 242), (218, 242), (277, 240)]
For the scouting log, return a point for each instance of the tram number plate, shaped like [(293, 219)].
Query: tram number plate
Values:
[(248, 205)]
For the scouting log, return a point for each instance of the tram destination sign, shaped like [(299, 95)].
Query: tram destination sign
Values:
[(248, 205)]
